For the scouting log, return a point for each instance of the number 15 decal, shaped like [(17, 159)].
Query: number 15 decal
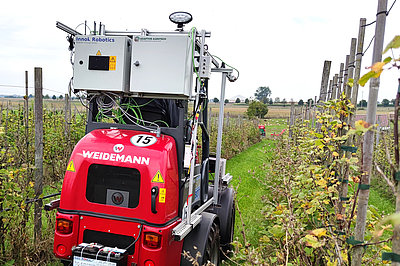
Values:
[(143, 140)]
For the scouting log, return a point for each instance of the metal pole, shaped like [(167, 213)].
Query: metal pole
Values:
[(219, 137), (368, 145)]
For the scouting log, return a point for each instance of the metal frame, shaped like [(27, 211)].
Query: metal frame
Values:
[(189, 219)]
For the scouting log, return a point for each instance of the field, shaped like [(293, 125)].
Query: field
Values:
[(262, 168)]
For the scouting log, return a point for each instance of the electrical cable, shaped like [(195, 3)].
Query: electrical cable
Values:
[(130, 118), (226, 64), (83, 23), (134, 241)]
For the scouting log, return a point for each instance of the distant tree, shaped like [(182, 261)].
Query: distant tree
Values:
[(246, 101), (30, 96), (362, 103), (60, 97), (54, 97), (262, 94), (300, 103), (392, 101), (270, 101), (216, 100), (277, 100), (257, 109), (237, 100), (310, 101), (385, 102), (226, 101), (46, 96), (284, 101)]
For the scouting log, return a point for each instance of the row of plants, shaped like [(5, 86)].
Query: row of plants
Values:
[(17, 142), (17, 160), (309, 211)]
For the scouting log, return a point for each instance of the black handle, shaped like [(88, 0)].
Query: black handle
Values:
[(154, 194)]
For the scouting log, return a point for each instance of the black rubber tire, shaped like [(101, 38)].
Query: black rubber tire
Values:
[(212, 252), (228, 247)]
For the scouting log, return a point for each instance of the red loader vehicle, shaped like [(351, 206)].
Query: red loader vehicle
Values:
[(141, 187)]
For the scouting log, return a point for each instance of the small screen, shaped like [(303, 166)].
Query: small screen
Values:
[(97, 62)]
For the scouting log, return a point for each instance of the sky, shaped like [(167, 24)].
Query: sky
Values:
[(279, 44)]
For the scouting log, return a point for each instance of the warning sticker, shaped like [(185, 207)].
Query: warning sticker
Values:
[(158, 178), (71, 166), (98, 52), (161, 197), (113, 63)]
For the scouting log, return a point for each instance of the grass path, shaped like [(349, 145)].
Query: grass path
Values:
[(250, 192)]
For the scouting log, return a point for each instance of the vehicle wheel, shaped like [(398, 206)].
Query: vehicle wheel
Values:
[(211, 253), (227, 247)]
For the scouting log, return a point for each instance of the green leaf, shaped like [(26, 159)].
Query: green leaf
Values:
[(364, 79), (387, 60), (350, 82), (395, 43)]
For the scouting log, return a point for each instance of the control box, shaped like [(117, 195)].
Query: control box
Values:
[(102, 63), (162, 65)]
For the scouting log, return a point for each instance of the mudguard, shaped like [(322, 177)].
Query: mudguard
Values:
[(226, 215), (198, 238)]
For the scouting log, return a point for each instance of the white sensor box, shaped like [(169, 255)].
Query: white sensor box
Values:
[(162, 65), (102, 63)]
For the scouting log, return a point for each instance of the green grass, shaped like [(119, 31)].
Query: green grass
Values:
[(249, 189)]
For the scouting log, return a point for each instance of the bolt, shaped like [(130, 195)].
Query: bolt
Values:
[(81, 217)]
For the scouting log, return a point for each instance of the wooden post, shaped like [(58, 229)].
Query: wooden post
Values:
[(324, 82), (292, 118), (340, 81), (334, 87), (38, 153), (345, 74), (329, 94), (359, 55), (350, 66), (368, 145), (26, 108), (67, 118), (343, 187)]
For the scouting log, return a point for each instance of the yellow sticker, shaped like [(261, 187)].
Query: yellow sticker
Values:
[(98, 52), (161, 197), (112, 63), (71, 166), (158, 178)]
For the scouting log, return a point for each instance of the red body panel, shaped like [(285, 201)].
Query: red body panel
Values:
[(161, 156), (114, 147)]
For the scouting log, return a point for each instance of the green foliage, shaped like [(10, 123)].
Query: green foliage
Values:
[(300, 103), (377, 68), (262, 94), (215, 100), (226, 101), (238, 135), (17, 182), (257, 109), (237, 100), (395, 43), (301, 210), (385, 102)]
